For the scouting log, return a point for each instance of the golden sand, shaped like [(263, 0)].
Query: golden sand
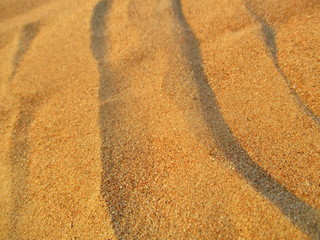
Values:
[(132, 119)]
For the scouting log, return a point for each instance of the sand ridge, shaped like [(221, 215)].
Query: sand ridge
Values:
[(160, 120)]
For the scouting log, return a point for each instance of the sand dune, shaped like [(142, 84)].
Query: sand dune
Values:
[(169, 119)]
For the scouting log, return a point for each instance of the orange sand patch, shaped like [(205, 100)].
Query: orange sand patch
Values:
[(159, 119)]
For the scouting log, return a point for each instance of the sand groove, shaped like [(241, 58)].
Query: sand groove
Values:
[(28, 33), (19, 157), (120, 186), (270, 41), (19, 150), (304, 216), (169, 119)]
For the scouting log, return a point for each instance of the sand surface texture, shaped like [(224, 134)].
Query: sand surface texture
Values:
[(169, 119)]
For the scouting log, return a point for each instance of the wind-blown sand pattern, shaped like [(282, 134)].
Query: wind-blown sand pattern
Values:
[(28, 32), (270, 41), (169, 119)]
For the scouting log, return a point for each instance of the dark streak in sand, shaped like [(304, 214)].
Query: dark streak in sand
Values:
[(305, 217), (19, 158), (302, 215), (99, 50), (270, 41), (19, 151), (27, 35)]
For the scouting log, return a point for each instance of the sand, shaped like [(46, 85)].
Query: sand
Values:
[(131, 119)]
